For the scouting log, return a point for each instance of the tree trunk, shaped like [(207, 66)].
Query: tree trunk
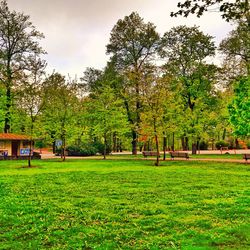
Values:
[(224, 134), (63, 148), (194, 148), (54, 147), (7, 113), (157, 163), (164, 146), (134, 143), (237, 146), (184, 142), (119, 147), (29, 158), (105, 147), (8, 85), (198, 145), (156, 144), (30, 142), (115, 144), (173, 143)]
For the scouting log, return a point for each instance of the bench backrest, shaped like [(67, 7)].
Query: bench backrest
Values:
[(149, 153), (179, 154)]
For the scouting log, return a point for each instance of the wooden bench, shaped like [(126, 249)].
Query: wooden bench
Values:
[(149, 153), (246, 157), (179, 155)]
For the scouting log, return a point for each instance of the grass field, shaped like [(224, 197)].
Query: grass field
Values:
[(119, 204), (203, 156)]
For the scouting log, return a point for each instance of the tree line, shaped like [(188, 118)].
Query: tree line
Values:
[(153, 90)]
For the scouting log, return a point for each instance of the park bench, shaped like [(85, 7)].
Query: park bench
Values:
[(246, 157), (179, 155), (149, 153)]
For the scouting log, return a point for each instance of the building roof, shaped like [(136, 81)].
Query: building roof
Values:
[(10, 136)]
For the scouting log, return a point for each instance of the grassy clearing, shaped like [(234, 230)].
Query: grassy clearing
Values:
[(199, 156), (119, 204)]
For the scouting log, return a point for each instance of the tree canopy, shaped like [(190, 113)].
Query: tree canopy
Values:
[(230, 10), (155, 92), (18, 42)]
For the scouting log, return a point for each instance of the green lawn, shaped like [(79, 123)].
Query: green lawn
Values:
[(203, 156), (119, 204)]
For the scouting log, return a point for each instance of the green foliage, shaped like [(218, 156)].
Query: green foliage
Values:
[(82, 150), (220, 144), (203, 145), (239, 109), (106, 115), (133, 42), (124, 204), (88, 149), (100, 147), (133, 45), (236, 46), (61, 114), (230, 10), (18, 43), (185, 50), (131, 94), (40, 144)]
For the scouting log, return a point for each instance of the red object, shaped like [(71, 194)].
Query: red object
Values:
[(10, 136)]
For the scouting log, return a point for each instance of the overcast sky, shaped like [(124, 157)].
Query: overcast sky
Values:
[(77, 31)]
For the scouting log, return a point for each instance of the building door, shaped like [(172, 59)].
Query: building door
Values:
[(14, 148)]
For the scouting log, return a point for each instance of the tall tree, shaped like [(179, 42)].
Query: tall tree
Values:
[(106, 115), (156, 98), (31, 100), (91, 80), (185, 49), (237, 46), (133, 43), (18, 41), (60, 115)]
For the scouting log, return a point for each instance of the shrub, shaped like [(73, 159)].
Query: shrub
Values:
[(83, 150), (220, 144), (100, 147), (203, 145), (40, 144)]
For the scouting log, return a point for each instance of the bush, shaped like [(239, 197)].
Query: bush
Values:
[(83, 150), (203, 145), (100, 147), (248, 144), (220, 144), (40, 144)]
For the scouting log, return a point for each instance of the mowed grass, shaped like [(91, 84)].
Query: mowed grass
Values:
[(230, 156), (124, 204)]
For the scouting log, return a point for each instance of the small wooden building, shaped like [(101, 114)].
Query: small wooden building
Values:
[(14, 145)]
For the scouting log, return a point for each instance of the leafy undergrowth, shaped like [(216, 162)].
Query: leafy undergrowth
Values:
[(118, 204)]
